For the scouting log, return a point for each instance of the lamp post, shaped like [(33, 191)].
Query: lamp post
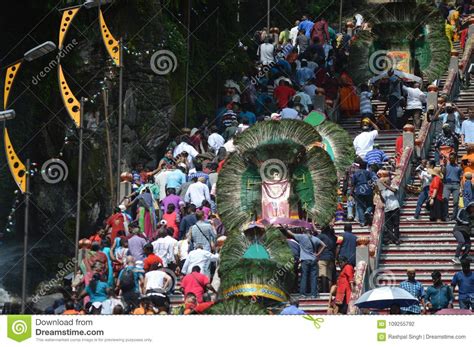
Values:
[(340, 16), (97, 4), (268, 16), (32, 54), (188, 47), (79, 186)]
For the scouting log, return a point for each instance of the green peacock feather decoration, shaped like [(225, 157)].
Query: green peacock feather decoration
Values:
[(340, 143)]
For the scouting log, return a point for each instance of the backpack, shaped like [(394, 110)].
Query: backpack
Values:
[(127, 280)]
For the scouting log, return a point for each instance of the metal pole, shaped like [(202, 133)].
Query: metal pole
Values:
[(25, 237), (105, 94), (268, 17), (119, 140), (188, 44), (340, 16), (79, 186)]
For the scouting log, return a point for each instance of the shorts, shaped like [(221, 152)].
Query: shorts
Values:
[(326, 268)]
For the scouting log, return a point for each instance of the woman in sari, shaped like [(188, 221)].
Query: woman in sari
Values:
[(145, 213), (349, 100)]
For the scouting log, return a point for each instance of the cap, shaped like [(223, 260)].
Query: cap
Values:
[(468, 175), (411, 269), (446, 125)]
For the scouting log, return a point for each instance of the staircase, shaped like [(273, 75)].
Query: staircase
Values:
[(425, 245), (386, 140)]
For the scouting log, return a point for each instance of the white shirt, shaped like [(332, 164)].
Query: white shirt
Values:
[(197, 192), (229, 146), (184, 147), (305, 100), (109, 304), (266, 51), (201, 258), (181, 249), (155, 279), (215, 141), (391, 201), (425, 178), (415, 98), (165, 248), (364, 142), (160, 180), (293, 35)]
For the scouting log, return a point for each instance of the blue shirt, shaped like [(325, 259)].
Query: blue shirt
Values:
[(467, 192), (306, 25), (349, 247), (416, 289), (292, 310), (452, 120), (439, 297), (329, 253), (467, 129), (308, 246), (303, 75), (360, 182), (453, 174), (175, 179), (100, 293), (136, 276), (375, 156), (250, 116), (465, 284)]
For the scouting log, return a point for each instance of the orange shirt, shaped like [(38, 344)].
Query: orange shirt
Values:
[(151, 259)]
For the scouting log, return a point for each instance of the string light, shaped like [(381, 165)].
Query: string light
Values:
[(10, 225)]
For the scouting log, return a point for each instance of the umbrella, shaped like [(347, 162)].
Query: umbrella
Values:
[(453, 311), (384, 297), (315, 118), (403, 75)]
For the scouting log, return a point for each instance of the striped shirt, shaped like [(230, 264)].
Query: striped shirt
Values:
[(415, 289), (365, 103), (375, 156)]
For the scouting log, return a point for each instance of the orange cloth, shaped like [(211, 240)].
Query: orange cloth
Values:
[(349, 100)]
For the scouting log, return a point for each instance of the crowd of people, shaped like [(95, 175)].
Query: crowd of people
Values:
[(167, 234)]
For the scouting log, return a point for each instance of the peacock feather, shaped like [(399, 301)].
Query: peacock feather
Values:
[(340, 144)]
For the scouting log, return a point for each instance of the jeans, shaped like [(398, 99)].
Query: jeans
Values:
[(363, 206), (464, 241), (467, 302), (393, 103), (451, 188), (309, 273), (392, 225), (421, 200)]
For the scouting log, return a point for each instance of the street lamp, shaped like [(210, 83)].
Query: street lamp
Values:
[(39, 51), (95, 3), (7, 115)]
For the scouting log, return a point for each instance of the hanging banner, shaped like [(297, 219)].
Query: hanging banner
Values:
[(112, 45), (17, 168), (12, 70), (66, 20), (73, 106)]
